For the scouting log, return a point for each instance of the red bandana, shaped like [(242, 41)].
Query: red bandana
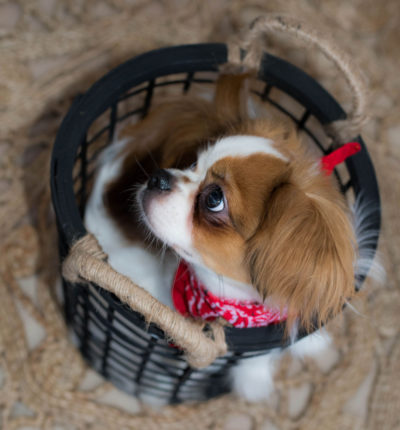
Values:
[(190, 298)]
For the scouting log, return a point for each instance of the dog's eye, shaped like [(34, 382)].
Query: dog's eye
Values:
[(193, 165), (215, 200)]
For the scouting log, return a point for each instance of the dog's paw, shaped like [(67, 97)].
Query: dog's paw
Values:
[(253, 378), (313, 345)]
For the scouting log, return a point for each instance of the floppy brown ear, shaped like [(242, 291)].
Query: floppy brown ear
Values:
[(303, 255), (178, 127), (231, 96)]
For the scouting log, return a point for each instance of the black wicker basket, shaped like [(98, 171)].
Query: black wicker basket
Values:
[(115, 340)]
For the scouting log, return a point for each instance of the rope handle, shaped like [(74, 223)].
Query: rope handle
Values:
[(251, 43), (87, 262)]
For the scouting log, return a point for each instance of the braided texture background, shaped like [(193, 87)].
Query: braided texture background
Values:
[(52, 49)]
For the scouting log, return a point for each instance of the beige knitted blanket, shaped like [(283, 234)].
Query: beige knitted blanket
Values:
[(52, 49)]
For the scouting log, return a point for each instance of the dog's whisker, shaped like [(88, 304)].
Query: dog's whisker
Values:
[(141, 167), (152, 158), (163, 252), (221, 286)]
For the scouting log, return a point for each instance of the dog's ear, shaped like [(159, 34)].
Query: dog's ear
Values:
[(303, 255), (231, 97), (174, 131), (177, 128)]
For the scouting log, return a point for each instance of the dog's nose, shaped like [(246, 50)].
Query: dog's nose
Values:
[(160, 180)]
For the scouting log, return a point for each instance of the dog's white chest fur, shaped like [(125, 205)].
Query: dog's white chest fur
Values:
[(142, 265)]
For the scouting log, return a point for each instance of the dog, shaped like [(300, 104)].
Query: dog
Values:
[(252, 218)]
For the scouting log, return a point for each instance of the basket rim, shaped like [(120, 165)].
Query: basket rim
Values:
[(206, 57)]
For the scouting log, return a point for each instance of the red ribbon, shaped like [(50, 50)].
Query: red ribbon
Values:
[(330, 161)]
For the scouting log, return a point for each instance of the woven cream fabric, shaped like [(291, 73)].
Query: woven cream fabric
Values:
[(52, 49)]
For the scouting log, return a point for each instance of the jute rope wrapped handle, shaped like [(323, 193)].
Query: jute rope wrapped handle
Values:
[(86, 262), (252, 44)]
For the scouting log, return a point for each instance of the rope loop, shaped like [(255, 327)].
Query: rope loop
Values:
[(246, 54), (86, 262)]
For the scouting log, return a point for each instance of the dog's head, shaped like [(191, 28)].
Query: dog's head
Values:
[(255, 209)]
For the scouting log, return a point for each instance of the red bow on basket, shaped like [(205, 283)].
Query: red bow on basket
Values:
[(330, 161)]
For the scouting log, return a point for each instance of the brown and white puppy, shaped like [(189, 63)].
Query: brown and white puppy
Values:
[(238, 199)]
